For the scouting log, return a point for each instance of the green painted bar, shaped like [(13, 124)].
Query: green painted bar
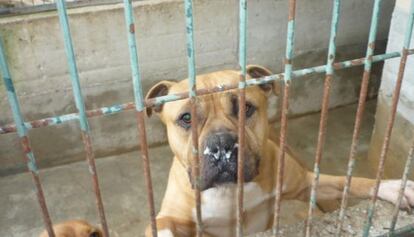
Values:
[(24, 139), (73, 70), (140, 115), (290, 43), (324, 113), (192, 93), (360, 112), (241, 115), (80, 105)]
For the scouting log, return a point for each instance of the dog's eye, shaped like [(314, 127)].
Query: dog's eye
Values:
[(184, 120), (95, 234), (250, 108)]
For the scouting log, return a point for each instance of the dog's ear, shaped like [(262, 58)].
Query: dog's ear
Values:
[(160, 89), (256, 71)]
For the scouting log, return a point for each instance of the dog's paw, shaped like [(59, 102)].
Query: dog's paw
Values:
[(389, 190)]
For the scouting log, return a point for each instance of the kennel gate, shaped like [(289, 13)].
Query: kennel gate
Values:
[(22, 127)]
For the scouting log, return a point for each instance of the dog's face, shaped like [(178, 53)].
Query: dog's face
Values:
[(75, 228), (217, 116)]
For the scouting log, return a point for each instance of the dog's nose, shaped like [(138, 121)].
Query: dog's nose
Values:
[(221, 146)]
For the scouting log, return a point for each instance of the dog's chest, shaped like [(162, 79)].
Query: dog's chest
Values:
[(219, 209)]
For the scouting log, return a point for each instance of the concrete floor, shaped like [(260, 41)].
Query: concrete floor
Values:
[(68, 188)]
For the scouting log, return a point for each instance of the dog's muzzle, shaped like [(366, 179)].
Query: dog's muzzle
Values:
[(219, 160)]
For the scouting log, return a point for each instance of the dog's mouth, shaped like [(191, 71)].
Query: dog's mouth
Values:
[(219, 160), (222, 169)]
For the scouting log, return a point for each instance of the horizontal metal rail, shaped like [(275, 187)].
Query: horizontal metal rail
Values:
[(113, 109), (44, 7)]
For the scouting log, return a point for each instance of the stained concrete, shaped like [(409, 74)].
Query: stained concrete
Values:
[(354, 221), (68, 188), (37, 62)]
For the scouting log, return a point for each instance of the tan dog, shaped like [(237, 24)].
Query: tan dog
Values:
[(217, 116), (74, 228)]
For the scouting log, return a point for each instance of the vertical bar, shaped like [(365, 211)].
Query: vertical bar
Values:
[(324, 112), (391, 119), (84, 125), (360, 112), (194, 121), (24, 139), (242, 114), (139, 107), (290, 42), (407, 169)]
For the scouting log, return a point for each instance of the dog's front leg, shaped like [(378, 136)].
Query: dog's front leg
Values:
[(331, 187), (172, 227)]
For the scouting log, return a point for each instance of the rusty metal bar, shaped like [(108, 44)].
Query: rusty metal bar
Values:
[(391, 119), (24, 139), (407, 170), (80, 105), (9, 128), (139, 110), (290, 43), (324, 113), (360, 111), (188, 5), (241, 114), (410, 158)]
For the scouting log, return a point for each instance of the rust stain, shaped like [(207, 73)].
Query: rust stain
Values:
[(26, 144), (287, 61), (132, 28)]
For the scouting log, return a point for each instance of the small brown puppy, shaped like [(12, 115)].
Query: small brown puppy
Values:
[(74, 228), (217, 116)]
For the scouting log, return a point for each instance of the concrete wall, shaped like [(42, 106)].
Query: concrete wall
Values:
[(37, 62), (403, 132)]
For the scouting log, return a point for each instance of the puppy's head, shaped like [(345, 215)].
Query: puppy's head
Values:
[(217, 116), (74, 228)]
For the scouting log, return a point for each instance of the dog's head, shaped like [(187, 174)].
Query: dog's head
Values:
[(217, 116), (74, 228)]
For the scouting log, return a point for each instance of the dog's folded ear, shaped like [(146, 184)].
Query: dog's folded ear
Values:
[(160, 89), (256, 71)]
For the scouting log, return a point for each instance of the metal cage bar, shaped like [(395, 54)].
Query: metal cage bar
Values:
[(360, 111), (9, 128), (21, 127), (408, 167), (410, 158), (290, 43), (139, 110), (24, 139), (324, 113), (80, 105), (391, 119), (194, 121), (241, 114)]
